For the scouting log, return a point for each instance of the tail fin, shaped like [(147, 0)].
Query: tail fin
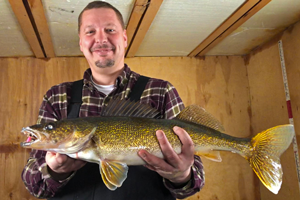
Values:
[(267, 148)]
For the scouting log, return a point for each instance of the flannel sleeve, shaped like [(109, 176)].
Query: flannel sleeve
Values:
[(35, 174), (193, 186)]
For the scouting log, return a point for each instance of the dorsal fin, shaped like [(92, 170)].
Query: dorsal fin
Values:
[(127, 108), (198, 115)]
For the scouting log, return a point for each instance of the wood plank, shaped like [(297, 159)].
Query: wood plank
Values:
[(27, 28), (149, 16), (247, 10), (135, 19), (38, 13)]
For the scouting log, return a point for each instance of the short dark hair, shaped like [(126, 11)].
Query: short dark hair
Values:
[(101, 4)]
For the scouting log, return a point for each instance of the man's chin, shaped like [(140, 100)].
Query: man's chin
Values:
[(105, 63)]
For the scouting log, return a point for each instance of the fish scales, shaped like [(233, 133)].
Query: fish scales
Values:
[(115, 134)]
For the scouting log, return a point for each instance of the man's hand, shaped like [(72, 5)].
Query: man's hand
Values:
[(61, 166), (174, 167)]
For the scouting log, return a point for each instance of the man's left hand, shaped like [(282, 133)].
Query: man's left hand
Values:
[(174, 167)]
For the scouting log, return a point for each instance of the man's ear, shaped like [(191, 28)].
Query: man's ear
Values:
[(125, 37), (80, 44)]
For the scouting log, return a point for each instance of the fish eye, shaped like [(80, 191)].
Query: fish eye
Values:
[(50, 126)]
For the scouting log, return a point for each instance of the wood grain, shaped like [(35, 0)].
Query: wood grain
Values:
[(145, 24), (27, 28), (40, 20), (248, 9)]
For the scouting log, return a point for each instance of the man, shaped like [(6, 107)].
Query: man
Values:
[(103, 41)]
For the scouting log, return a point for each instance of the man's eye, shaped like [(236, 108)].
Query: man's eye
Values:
[(110, 30), (89, 32)]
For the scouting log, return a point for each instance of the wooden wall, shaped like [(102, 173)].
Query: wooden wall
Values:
[(268, 101), (245, 94)]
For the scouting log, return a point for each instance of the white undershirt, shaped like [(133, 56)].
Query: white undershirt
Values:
[(106, 89)]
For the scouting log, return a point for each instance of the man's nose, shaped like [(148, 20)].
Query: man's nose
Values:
[(101, 37)]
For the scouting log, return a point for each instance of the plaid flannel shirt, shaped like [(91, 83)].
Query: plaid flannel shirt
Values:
[(160, 94)]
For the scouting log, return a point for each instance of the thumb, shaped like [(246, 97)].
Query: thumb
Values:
[(61, 158)]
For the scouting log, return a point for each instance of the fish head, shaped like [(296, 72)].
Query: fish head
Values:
[(49, 135)]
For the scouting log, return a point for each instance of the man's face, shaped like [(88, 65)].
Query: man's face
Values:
[(102, 38)]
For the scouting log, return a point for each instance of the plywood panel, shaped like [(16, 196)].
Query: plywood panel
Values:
[(23, 84), (12, 42), (269, 105), (217, 83)]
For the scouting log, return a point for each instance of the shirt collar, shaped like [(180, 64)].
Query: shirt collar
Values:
[(121, 80)]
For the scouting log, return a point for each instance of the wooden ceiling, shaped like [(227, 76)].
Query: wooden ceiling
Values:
[(38, 25)]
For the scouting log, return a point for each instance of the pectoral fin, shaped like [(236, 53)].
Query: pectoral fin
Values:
[(210, 155), (70, 146), (113, 173)]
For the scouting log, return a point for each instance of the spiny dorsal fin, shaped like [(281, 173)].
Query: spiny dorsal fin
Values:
[(127, 108), (198, 115)]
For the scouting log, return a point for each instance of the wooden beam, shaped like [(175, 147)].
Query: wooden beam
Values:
[(40, 20), (135, 19), (150, 13), (247, 10), (27, 28)]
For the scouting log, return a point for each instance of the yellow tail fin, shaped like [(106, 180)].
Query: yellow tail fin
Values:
[(267, 149)]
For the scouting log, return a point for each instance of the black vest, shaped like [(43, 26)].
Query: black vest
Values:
[(87, 184)]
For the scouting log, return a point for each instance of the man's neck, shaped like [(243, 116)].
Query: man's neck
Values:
[(106, 76)]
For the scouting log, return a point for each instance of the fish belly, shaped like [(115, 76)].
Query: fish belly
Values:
[(89, 155)]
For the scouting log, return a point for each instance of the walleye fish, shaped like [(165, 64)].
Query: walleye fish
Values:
[(113, 139)]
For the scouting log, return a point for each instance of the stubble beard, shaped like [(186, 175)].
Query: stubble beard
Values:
[(109, 62), (105, 64)]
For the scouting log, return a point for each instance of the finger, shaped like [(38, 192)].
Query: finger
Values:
[(169, 154), (187, 143), (61, 159), (156, 163), (150, 167)]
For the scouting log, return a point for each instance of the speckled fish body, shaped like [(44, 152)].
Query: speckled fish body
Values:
[(113, 142)]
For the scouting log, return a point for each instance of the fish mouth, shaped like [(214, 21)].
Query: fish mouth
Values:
[(32, 137)]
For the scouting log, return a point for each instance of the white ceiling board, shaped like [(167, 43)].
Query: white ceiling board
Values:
[(180, 26), (265, 24), (62, 16), (12, 40)]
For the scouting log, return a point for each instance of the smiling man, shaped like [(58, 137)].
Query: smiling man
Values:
[(103, 41)]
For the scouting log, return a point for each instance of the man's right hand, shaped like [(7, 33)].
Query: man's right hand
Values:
[(61, 166)]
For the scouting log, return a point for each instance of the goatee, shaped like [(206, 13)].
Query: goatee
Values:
[(105, 63)]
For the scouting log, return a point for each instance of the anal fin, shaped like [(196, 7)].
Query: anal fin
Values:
[(210, 155), (113, 173)]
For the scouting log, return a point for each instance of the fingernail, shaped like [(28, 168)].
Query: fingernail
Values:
[(159, 135), (175, 128), (142, 154)]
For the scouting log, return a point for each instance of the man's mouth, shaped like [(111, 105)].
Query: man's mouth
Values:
[(102, 51)]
